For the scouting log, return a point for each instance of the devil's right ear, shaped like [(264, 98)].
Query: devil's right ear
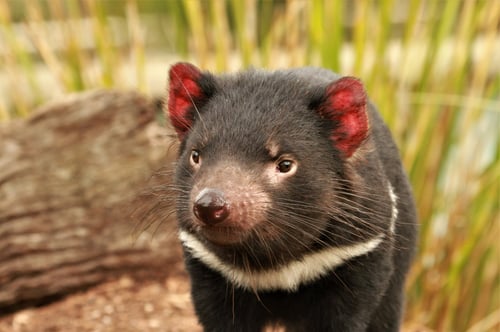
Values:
[(188, 90)]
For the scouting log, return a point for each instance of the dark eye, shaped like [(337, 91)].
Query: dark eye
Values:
[(285, 166), (195, 157)]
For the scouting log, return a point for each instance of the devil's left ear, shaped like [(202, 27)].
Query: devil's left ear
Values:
[(345, 104), (189, 89)]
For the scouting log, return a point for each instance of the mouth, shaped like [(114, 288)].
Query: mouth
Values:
[(223, 235)]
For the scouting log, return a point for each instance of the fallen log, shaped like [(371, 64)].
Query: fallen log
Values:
[(68, 178)]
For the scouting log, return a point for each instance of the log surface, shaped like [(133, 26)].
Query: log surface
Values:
[(68, 178)]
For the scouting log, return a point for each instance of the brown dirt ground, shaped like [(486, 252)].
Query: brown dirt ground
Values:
[(123, 305), (161, 304)]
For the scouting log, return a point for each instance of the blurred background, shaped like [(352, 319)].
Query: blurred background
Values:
[(432, 67)]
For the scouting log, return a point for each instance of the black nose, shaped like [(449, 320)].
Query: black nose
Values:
[(211, 207)]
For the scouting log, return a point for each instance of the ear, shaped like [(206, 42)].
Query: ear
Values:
[(188, 90), (345, 104)]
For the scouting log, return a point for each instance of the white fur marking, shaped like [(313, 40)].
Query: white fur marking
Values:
[(288, 277), (394, 201)]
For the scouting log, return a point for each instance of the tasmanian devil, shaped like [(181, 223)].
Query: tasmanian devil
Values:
[(293, 207)]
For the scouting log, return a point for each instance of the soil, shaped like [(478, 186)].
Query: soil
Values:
[(161, 303)]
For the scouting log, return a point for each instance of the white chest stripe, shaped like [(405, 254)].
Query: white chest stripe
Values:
[(394, 201), (288, 277)]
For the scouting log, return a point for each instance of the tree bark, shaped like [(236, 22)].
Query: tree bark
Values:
[(69, 179)]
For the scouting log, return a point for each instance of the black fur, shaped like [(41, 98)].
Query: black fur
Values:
[(346, 197)]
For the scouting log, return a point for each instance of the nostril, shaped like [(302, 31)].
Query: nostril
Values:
[(210, 207)]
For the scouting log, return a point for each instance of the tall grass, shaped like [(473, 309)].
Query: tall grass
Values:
[(432, 67)]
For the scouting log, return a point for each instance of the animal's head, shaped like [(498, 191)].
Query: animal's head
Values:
[(261, 173)]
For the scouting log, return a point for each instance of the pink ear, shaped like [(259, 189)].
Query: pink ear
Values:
[(184, 91), (346, 105)]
